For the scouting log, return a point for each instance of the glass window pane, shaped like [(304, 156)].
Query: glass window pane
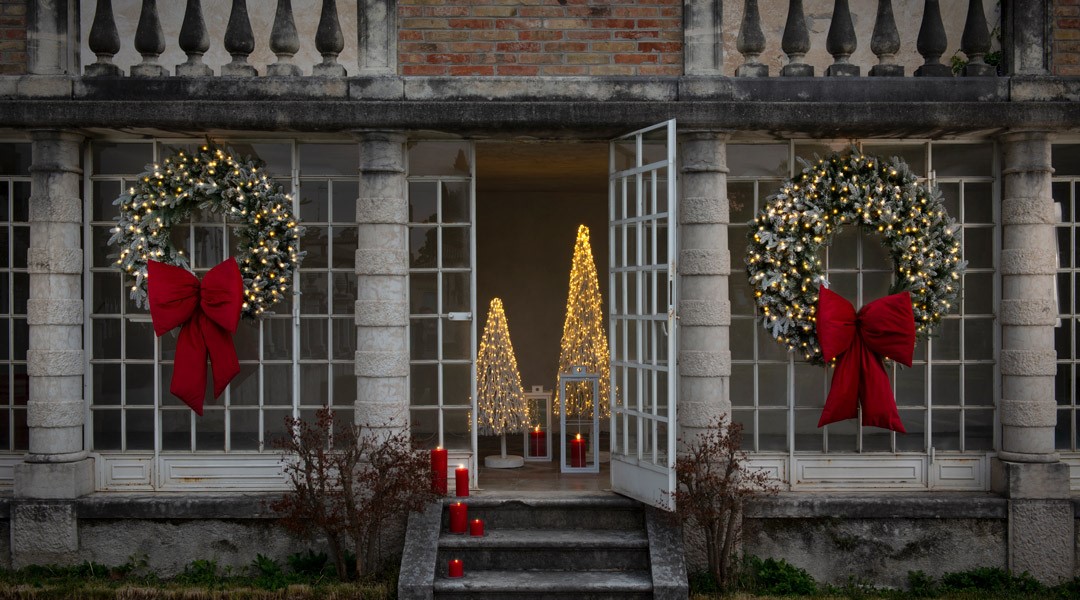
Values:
[(314, 384), (276, 156), (810, 384), (210, 431), (742, 339), (106, 391), (139, 336), (978, 339), (457, 339), (244, 429), (979, 247), (455, 247), (20, 238), (140, 384), (963, 160), (328, 159), (772, 431), (278, 388), (313, 340), (772, 385), (1066, 159), (455, 202), (950, 196), (424, 335), (121, 159), (808, 438), (910, 384), (345, 195), (277, 338), (105, 192), (742, 385), (978, 293), (344, 385), (456, 430), (344, 293), (978, 430), (912, 154), (439, 158), (176, 430), (345, 244), (978, 202), (843, 436), (423, 247), (757, 160), (424, 385), (313, 293), (746, 419), (946, 340), (946, 431), (15, 158), (979, 385), (106, 429), (139, 429), (314, 207), (945, 385), (106, 334), (915, 423), (424, 427), (344, 339), (244, 388), (314, 243), (21, 339), (457, 388)]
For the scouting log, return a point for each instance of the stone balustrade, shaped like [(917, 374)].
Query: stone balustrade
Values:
[(735, 37)]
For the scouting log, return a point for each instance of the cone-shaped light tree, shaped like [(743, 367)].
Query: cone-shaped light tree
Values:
[(501, 407), (584, 338)]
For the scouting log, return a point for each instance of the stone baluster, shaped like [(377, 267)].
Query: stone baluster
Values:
[(284, 42), (975, 42), (704, 270), (796, 42), (932, 42), (751, 42), (239, 42), (703, 49), (194, 41), (329, 42), (885, 42), (149, 42), (377, 36), (1027, 469), (382, 273), (841, 42), (104, 42)]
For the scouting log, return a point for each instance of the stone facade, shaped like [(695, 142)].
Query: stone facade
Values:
[(613, 68), (12, 37), (1066, 37)]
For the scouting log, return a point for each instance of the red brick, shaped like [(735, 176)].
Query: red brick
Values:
[(612, 23), (18, 8), (564, 70), (408, 35), (471, 23), (591, 12), (671, 12), (539, 59), (1066, 11), (471, 47), (405, 12), (518, 47), (587, 59), (589, 35), (448, 58), (423, 70), (1067, 71), (659, 47), (405, 58), (1069, 23), (517, 70), (19, 22), (518, 23), (472, 70), (424, 23), (566, 47), (657, 24), (567, 23), (635, 59), (612, 70), (632, 34), (636, 12), (495, 11), (614, 46), (424, 47), (447, 11), (493, 35), (15, 34), (12, 69), (446, 36), (542, 35), (12, 44), (542, 11)]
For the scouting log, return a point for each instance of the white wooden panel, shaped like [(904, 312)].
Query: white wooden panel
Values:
[(237, 472), (960, 473), (125, 472), (1074, 470), (859, 473), (7, 470), (776, 468)]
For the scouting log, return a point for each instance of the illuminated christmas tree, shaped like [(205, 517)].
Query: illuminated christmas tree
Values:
[(584, 339), (501, 407)]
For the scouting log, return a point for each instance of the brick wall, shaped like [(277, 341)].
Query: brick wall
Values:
[(12, 37), (1066, 51), (540, 37)]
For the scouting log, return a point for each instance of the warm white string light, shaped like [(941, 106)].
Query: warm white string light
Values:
[(500, 403)]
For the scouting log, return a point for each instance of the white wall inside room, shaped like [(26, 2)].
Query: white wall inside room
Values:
[(216, 17), (530, 199)]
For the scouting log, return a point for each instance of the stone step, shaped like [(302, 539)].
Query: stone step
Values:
[(545, 585), (530, 549), (554, 512)]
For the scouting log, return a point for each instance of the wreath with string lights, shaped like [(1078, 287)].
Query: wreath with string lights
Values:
[(211, 178), (803, 216)]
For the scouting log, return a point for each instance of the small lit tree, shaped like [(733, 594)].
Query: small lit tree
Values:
[(500, 402), (584, 339)]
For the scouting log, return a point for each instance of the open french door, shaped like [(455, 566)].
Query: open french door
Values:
[(642, 329)]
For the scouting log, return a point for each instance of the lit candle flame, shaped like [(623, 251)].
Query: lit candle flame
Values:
[(537, 429), (579, 436)]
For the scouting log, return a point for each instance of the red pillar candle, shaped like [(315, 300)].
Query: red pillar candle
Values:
[(476, 528), (459, 517), (537, 442), (456, 568), (438, 470), (577, 451), (461, 479)]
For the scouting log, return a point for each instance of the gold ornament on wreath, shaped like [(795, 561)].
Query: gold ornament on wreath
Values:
[(211, 178), (850, 188)]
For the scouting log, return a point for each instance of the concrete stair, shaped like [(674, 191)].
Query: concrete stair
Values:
[(591, 546)]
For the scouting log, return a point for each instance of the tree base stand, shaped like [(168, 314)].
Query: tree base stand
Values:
[(496, 461)]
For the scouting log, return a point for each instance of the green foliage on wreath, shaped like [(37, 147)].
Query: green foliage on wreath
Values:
[(849, 189), (211, 179)]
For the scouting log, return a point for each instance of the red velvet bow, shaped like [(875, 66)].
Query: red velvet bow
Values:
[(883, 328), (207, 314)]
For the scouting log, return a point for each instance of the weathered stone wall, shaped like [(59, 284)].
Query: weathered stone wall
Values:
[(546, 37), (1066, 49), (12, 37)]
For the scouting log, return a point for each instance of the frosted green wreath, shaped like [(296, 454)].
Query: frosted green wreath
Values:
[(849, 189), (211, 178)]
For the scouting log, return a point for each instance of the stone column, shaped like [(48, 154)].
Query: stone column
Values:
[(704, 265), (377, 32), (704, 48), (382, 272), (1027, 469), (48, 49), (57, 466)]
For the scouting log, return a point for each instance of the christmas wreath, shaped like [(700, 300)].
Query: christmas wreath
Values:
[(214, 179), (849, 189)]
